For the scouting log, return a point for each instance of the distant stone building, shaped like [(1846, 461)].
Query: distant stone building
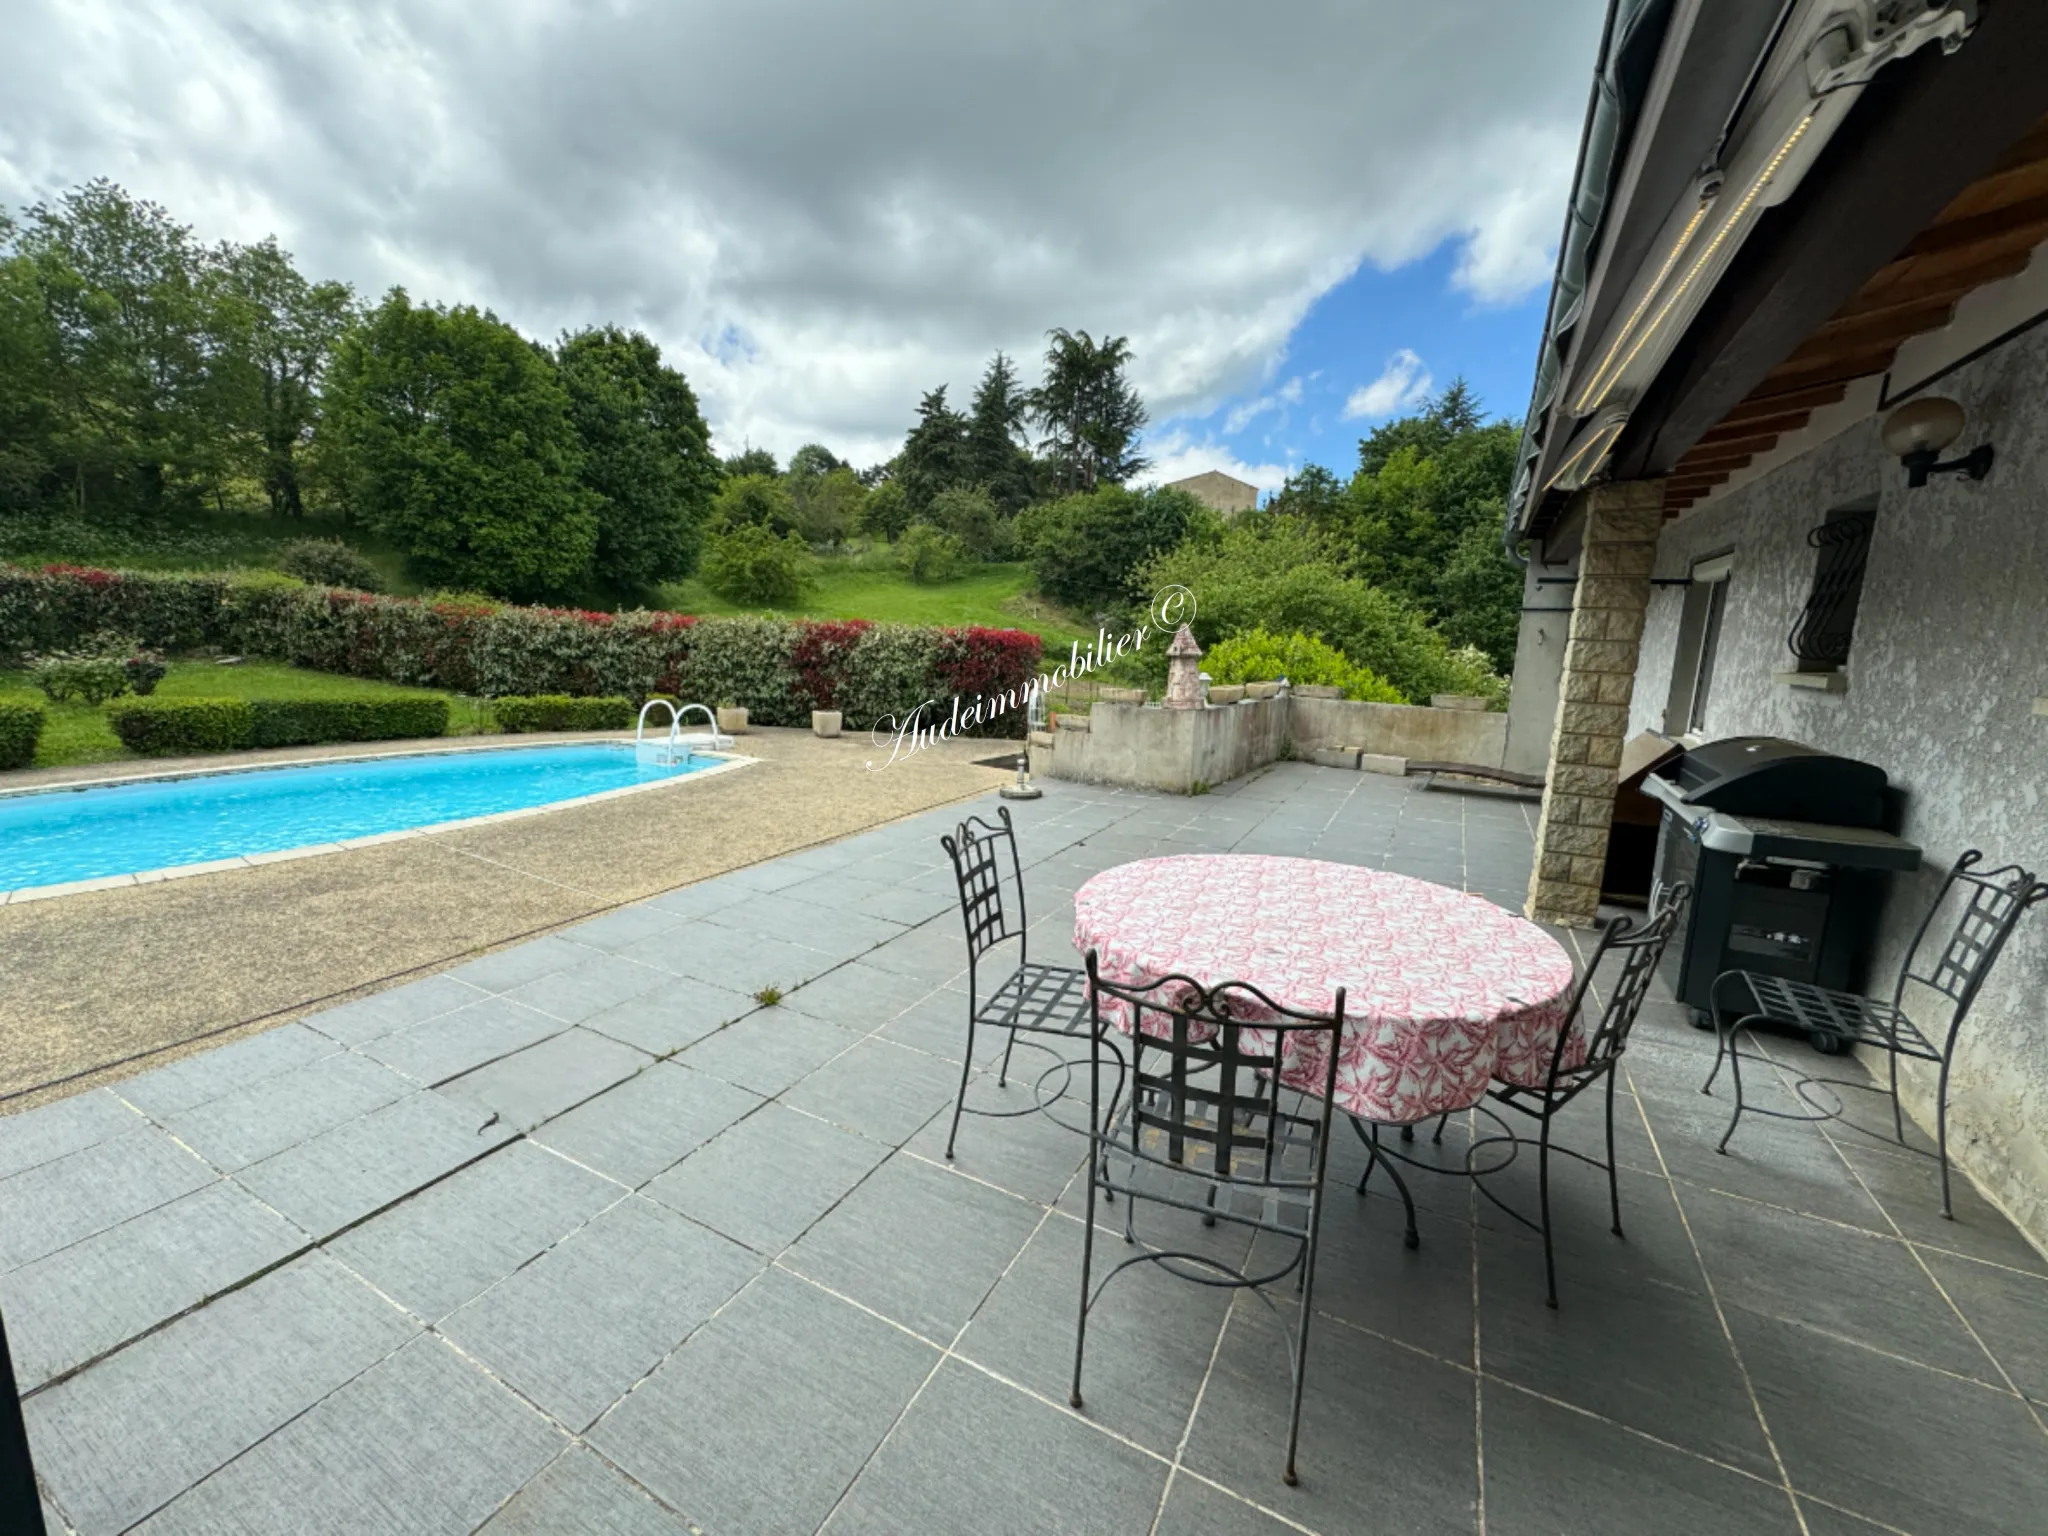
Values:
[(1220, 492)]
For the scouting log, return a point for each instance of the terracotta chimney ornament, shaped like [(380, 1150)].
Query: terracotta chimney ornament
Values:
[(1183, 671)]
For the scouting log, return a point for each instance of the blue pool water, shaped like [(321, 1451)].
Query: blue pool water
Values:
[(61, 835)]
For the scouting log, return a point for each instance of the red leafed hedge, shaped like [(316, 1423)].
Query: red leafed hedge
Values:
[(779, 669)]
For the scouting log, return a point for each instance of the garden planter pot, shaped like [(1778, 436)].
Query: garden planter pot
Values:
[(733, 721), (825, 722), (1229, 693), (1456, 701), (1123, 695), (1261, 690)]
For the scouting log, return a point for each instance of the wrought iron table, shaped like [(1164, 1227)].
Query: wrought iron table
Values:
[(1441, 986)]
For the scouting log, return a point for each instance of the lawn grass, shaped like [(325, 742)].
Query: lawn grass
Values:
[(188, 542), (78, 733), (864, 587)]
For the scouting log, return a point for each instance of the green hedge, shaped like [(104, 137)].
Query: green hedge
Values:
[(166, 727), (21, 726), (559, 712), (307, 722)]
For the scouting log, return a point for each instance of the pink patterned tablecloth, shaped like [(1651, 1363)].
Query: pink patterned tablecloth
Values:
[(1443, 989)]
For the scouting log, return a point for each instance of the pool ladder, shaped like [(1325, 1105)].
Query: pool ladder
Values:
[(675, 749)]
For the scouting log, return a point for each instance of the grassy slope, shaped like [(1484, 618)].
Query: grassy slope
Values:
[(79, 733), (855, 588)]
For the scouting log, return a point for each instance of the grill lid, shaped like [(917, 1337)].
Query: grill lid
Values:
[(1768, 776)]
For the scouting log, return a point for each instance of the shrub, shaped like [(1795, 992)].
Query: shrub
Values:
[(166, 727), (90, 679), (1255, 656), (21, 726), (329, 563), (305, 722), (750, 564), (748, 662), (968, 514), (753, 501), (930, 555), (144, 670), (559, 712), (821, 656), (1089, 548)]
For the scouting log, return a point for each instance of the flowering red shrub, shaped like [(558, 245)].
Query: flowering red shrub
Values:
[(979, 663), (820, 656)]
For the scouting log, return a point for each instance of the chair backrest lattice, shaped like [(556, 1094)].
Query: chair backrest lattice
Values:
[(977, 849), (1993, 901), (1639, 946), (1207, 1065)]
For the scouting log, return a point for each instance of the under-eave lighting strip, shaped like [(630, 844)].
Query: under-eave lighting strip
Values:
[(1595, 390)]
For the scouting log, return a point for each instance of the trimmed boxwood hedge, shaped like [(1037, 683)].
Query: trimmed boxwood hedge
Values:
[(307, 722), (21, 726), (165, 727), (559, 712)]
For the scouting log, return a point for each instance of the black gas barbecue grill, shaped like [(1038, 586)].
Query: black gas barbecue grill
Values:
[(1783, 848)]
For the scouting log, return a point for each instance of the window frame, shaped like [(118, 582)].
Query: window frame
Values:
[(1700, 624)]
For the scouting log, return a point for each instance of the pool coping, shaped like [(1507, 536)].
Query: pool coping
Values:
[(727, 762)]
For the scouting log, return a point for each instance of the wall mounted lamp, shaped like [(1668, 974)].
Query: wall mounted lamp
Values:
[(1918, 431)]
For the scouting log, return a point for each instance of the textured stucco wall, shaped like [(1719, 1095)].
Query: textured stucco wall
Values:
[(1950, 651)]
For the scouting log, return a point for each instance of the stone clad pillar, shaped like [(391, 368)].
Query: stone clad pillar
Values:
[(1623, 520)]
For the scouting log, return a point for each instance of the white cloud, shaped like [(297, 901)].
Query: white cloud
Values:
[(819, 209), (1243, 415), (1402, 385)]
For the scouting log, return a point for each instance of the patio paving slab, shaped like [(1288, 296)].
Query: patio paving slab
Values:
[(357, 1169), (1057, 1473), (765, 1180), (920, 1245), (437, 1049), (574, 993), (680, 1014), (81, 1301), (128, 1436), (420, 1443), (85, 1120), (576, 1328), (265, 1118), (1194, 1508), (648, 1123), (454, 1241), (860, 995), (73, 1197), (883, 1091), (738, 962), (2008, 1310), (197, 1079), (382, 1012), (769, 1050), (628, 926), (535, 1085), (578, 1491), (509, 969), (763, 1417)]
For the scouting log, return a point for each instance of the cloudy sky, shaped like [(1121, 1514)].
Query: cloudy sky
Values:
[(1304, 213)]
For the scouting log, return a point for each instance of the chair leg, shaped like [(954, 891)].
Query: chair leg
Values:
[(1733, 1043), (1543, 1200), (1941, 1135), (1308, 1265), (960, 1098), (1613, 1178), (1441, 1121), (1413, 1239), (1720, 1051), (1003, 1073), (1898, 1116), (1087, 1260), (1372, 1151)]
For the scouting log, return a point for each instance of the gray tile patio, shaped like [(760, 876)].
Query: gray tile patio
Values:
[(581, 1237)]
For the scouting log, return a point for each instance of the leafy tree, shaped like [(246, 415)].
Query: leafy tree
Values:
[(1311, 492), (1089, 547), (1090, 413), (813, 461), (761, 501), (461, 449), (886, 512), (131, 390), (646, 455), (935, 454), (969, 514), (275, 334), (996, 435), (1423, 518), (751, 461), (828, 507), (749, 563), (930, 554), (28, 414)]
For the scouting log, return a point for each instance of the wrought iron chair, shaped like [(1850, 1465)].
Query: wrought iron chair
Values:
[(1993, 901), (1033, 999), (1206, 1113), (1583, 1057)]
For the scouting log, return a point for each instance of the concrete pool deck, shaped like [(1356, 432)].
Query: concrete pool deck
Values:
[(108, 983)]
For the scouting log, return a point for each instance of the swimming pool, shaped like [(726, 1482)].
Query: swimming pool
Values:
[(55, 837)]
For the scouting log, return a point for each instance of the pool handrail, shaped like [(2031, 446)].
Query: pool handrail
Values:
[(677, 746)]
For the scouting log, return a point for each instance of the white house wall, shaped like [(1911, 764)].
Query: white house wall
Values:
[(1949, 655)]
